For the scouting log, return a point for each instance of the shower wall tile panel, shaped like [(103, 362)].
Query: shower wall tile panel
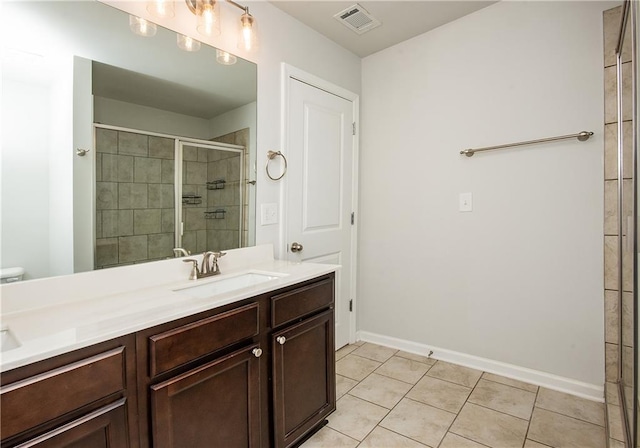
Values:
[(134, 197), (612, 316), (611, 98)]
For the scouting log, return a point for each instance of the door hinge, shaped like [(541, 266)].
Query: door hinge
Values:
[(353, 125), (353, 218), (351, 305)]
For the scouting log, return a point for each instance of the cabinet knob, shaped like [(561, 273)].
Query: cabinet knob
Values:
[(257, 352), (281, 340)]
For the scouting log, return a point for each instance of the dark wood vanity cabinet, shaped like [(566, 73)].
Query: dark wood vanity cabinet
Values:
[(303, 359), (82, 398), (255, 373)]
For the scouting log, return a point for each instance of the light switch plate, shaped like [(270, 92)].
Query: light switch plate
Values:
[(466, 202), (268, 214)]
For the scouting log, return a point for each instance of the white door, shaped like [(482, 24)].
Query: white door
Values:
[(320, 192)]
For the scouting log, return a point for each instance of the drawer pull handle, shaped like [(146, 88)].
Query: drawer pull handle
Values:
[(257, 352), (281, 340)]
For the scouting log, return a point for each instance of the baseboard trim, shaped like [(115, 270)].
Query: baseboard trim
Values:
[(548, 380)]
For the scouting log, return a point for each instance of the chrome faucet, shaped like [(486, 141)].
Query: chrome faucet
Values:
[(209, 265)]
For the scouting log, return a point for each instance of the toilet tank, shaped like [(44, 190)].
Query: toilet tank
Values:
[(11, 275)]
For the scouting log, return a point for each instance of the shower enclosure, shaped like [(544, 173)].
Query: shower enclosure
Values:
[(155, 192)]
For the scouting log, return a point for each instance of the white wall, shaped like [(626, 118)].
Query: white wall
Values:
[(520, 279), (119, 113), (282, 39), (24, 196)]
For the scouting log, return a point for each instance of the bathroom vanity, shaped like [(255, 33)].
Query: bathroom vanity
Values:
[(257, 370)]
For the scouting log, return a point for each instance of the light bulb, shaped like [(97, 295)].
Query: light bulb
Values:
[(161, 8), (142, 27), (187, 43), (247, 40), (225, 58), (208, 17)]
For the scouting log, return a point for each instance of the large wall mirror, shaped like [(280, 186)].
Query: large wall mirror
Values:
[(117, 148)]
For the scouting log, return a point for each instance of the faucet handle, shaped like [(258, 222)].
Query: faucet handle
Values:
[(194, 268), (217, 255)]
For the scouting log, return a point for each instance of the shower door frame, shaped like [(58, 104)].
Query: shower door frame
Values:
[(180, 143), (629, 17)]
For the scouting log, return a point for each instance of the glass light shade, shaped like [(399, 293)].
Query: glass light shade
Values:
[(187, 43), (142, 27), (161, 8), (248, 39), (225, 58), (208, 17)]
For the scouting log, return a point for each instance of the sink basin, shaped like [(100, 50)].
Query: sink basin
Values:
[(220, 286), (7, 340)]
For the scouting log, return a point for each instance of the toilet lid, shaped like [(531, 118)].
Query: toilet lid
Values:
[(11, 272)]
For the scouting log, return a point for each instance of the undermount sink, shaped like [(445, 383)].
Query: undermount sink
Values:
[(7, 340), (220, 286)]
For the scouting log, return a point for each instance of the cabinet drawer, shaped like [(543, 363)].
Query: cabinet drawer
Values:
[(40, 398), (300, 302), (189, 342)]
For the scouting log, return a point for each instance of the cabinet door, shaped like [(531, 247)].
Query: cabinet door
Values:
[(103, 428), (304, 390), (215, 405)]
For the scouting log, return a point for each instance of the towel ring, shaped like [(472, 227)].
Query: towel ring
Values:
[(272, 155)]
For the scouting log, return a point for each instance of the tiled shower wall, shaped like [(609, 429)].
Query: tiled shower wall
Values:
[(222, 230), (241, 138), (134, 198), (612, 313)]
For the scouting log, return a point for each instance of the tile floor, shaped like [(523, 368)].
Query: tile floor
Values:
[(392, 399)]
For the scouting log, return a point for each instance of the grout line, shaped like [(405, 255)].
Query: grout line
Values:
[(526, 435), (570, 416), (513, 387)]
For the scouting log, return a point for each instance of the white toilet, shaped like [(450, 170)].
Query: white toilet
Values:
[(11, 275)]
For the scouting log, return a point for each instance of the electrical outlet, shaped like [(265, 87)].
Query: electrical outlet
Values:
[(268, 214), (466, 202)]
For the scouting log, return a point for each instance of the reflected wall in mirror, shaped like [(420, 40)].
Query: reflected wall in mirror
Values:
[(74, 76)]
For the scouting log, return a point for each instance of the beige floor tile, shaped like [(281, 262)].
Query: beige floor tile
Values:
[(615, 423), (452, 440), (383, 438), (455, 374), (356, 367), (376, 352), (343, 385), (559, 430), (355, 417), (570, 405), (358, 343), (381, 390), (531, 444), (440, 394), (503, 398), (403, 369), (510, 382), (344, 351), (489, 427), (419, 422), (418, 358), (329, 438)]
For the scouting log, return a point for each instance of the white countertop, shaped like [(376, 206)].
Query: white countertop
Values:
[(56, 326)]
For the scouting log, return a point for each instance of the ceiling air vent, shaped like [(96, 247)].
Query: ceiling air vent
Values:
[(357, 19)]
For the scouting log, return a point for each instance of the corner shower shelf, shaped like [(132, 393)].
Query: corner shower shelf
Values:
[(191, 199), (216, 214), (217, 184)]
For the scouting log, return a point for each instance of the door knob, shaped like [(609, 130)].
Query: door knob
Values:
[(281, 340), (296, 247), (257, 352)]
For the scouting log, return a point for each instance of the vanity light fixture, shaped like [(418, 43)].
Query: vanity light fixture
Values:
[(142, 27), (225, 58), (207, 13), (187, 43), (162, 9)]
